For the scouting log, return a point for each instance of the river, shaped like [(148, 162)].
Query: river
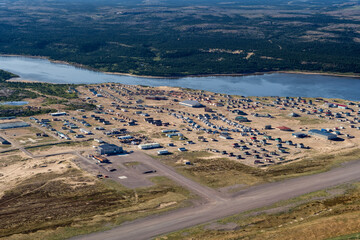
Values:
[(274, 84)]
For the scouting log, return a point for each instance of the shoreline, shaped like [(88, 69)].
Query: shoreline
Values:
[(78, 65), (19, 79)]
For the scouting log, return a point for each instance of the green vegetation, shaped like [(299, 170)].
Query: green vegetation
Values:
[(4, 75), (51, 101), (80, 105), (304, 120), (71, 203), (222, 172), (16, 91), (354, 236), (177, 38), (57, 90), (44, 147), (11, 94), (20, 111), (64, 94), (131, 164), (11, 158), (308, 121), (318, 215), (42, 140)]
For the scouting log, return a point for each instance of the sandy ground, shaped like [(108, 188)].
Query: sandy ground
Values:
[(17, 167), (22, 80)]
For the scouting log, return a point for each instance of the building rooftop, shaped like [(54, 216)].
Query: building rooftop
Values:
[(283, 128), (107, 146), (324, 133), (14, 125), (191, 103)]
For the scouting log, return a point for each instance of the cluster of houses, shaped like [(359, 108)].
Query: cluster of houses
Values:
[(100, 119), (125, 98), (155, 122)]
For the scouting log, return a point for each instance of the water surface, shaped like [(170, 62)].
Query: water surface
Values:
[(274, 84), (14, 103)]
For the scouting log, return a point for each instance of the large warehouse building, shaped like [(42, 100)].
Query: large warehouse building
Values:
[(191, 103), (323, 134), (109, 149), (18, 124)]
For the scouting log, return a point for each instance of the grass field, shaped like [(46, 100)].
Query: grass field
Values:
[(59, 145), (58, 206), (354, 236), (222, 172), (319, 215), (11, 158), (5, 146)]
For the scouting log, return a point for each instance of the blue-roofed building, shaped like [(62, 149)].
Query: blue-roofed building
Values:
[(323, 134), (18, 124)]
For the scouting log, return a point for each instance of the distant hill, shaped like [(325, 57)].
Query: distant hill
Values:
[(192, 37)]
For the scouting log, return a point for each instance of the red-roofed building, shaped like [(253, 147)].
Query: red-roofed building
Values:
[(342, 106), (283, 128)]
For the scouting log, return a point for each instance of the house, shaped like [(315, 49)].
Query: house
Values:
[(224, 136), (99, 140), (182, 149), (294, 115), (87, 132), (169, 131), (242, 119), (109, 149), (342, 106), (191, 103), (149, 146), (299, 135), (163, 152), (158, 98), (125, 137), (208, 109), (219, 104), (57, 114), (283, 128)]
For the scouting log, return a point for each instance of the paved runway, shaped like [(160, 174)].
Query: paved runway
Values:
[(216, 208)]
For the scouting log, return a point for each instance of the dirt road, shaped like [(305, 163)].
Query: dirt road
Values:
[(251, 198)]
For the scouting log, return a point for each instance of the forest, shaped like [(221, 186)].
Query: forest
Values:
[(181, 38), (4, 75), (16, 91)]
